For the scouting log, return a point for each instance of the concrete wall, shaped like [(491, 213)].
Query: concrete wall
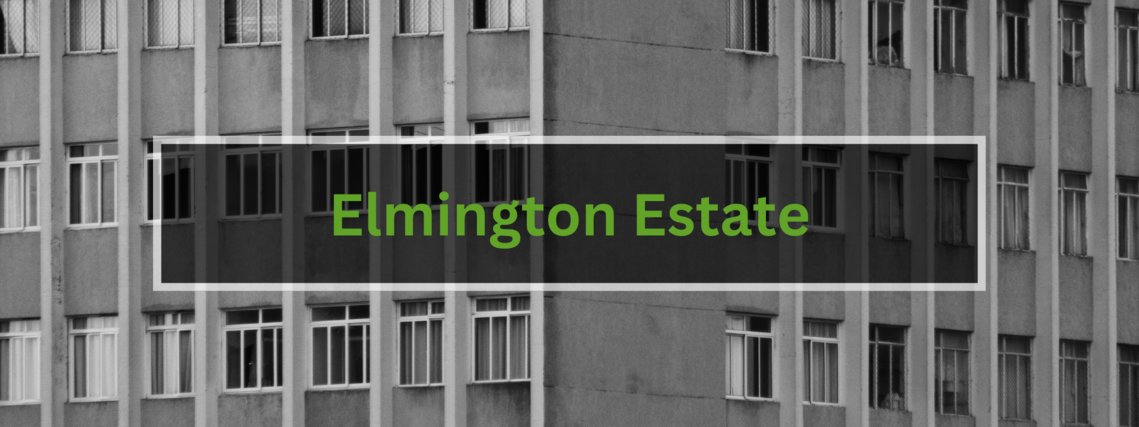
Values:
[(177, 255), (1017, 293), (335, 259), (91, 414), (495, 405), (1016, 135), (249, 410), (336, 408), (19, 415), (1127, 300), (1076, 310), (167, 92), (952, 110), (417, 72), (498, 72), (249, 251), (19, 101), (89, 87), (752, 97), (91, 271), (20, 262), (168, 412), (418, 406), (1127, 134), (249, 89), (336, 83), (1075, 124), (890, 101)]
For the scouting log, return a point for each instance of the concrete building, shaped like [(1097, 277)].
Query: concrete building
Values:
[(84, 84)]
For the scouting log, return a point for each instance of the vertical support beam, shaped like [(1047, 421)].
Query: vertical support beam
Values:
[(457, 323), (130, 211), (456, 369), (207, 332), (921, 217), (985, 403), (53, 215), (538, 191), (1103, 241), (1044, 228), (293, 35)]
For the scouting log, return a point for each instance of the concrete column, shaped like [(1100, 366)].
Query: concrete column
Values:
[(456, 369), (538, 191), (53, 215), (131, 167), (921, 218), (986, 399), (207, 328), (1103, 215), (457, 323), (294, 25), (1045, 225)]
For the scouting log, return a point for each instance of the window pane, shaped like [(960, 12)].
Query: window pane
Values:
[(436, 356), (90, 193), (337, 359), (405, 353), (420, 352), (158, 370), (79, 359), (357, 352), (482, 349), (269, 358), (498, 348), (108, 195), (270, 177), (519, 354), (233, 364), (319, 356), (320, 198)]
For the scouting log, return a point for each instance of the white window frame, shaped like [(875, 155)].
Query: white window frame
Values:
[(347, 21), (102, 28), (759, 336), (101, 159), (510, 313), (431, 18), (733, 159), (260, 25), (809, 341), (1004, 55), (1127, 81), (1004, 185), (1003, 356), (261, 327), (105, 376), (938, 9), (1128, 373), (354, 139), (30, 32), (518, 135), (941, 350), (810, 166), (1064, 381), (1079, 25), (508, 27), (27, 160), (1128, 202), (875, 342), (182, 150), (875, 172), (21, 370), (903, 50), (1065, 229), (174, 323), (180, 44), (836, 28), (941, 178), (415, 142), (272, 146), (770, 24), (347, 322), (432, 316)]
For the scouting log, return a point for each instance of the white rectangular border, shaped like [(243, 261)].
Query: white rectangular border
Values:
[(982, 247)]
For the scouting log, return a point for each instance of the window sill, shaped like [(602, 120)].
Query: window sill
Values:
[(169, 396), (751, 399), (1012, 79), (749, 52), (340, 387), (21, 403), (424, 385), (890, 238), (180, 47), (418, 35), (1127, 259), (90, 226), (1026, 251), (498, 30), (897, 67), (493, 382), (35, 229), (273, 390), (20, 55), (92, 52), (953, 74), (146, 223), (825, 404), (825, 60), (338, 38), (823, 230), (250, 45), (250, 218), (92, 399)]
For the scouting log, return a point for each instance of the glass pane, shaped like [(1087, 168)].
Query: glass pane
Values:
[(436, 355), (233, 359), (250, 166), (319, 356), (519, 354), (406, 358), (270, 177), (482, 349), (320, 197), (79, 359), (420, 352), (337, 359), (269, 358), (186, 362), (108, 195), (157, 370), (357, 354), (249, 359), (498, 348), (90, 193)]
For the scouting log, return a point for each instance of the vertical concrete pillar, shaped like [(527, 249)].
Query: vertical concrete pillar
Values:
[(455, 126), (294, 28), (920, 215), (538, 191), (1102, 239), (1045, 225), (53, 215), (131, 366), (207, 328)]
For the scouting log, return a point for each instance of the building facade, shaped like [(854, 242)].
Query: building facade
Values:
[(86, 84)]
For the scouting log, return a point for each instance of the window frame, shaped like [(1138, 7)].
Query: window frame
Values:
[(1003, 185), (810, 340), (429, 32), (1003, 353), (770, 30), (31, 211), (938, 9), (260, 326), (875, 341), (508, 314), (260, 26), (769, 160), (759, 336), (347, 322), (1063, 230), (347, 22), (100, 160), (102, 29), (165, 328), (429, 318), (179, 44), (508, 27), (903, 51), (1128, 204), (811, 166), (183, 149), (1127, 57), (940, 351), (966, 184), (72, 334), (1003, 54), (351, 142), (903, 190), (1128, 370), (835, 30), (24, 51), (416, 142), (1079, 76), (488, 140), (1076, 362), (260, 147), (31, 334)]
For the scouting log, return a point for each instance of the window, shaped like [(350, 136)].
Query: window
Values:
[(502, 339), (820, 184), (19, 27), (1127, 49), (951, 36), (92, 188), (887, 18), (172, 166), (91, 25), (1012, 194), (421, 153), (94, 359), (749, 25), (887, 367), (340, 345), (952, 202), (252, 21), (1073, 213), (169, 23), (338, 168), (19, 187), (253, 349), (1014, 362), (952, 364), (887, 196), (339, 18), (820, 38), (421, 343), (500, 14), (419, 17), (749, 351), (502, 160), (19, 361), (1073, 382), (1128, 385), (1128, 226), (747, 169), (171, 340), (820, 367), (1072, 44), (1014, 39), (252, 176)]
